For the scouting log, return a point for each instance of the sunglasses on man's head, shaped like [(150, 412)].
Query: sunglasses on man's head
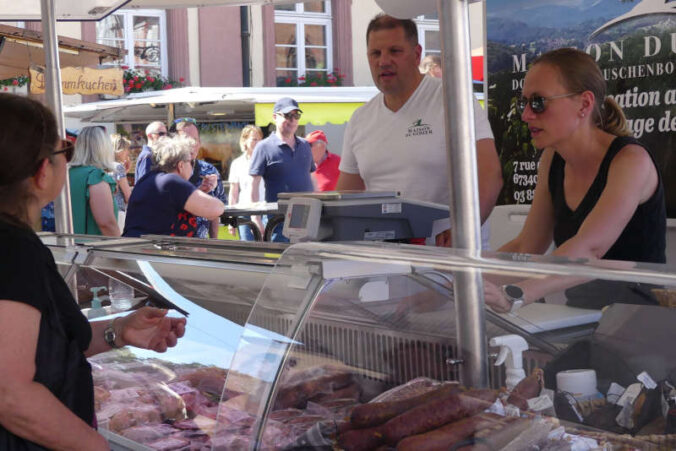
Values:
[(538, 103), (291, 116), (185, 119), (66, 148)]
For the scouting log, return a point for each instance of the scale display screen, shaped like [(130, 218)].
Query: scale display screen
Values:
[(298, 216)]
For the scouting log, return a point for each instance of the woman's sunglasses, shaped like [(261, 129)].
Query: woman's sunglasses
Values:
[(66, 148), (537, 103)]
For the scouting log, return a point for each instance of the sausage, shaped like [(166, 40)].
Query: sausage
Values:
[(297, 395), (372, 414), (434, 414), (528, 388), (361, 439), (445, 437), (352, 391)]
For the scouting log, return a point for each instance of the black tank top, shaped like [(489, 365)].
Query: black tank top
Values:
[(643, 238)]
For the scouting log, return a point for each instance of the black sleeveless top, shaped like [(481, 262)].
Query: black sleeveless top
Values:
[(643, 238)]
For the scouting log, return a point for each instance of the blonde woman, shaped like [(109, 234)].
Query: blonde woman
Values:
[(121, 147), (239, 178), (91, 185)]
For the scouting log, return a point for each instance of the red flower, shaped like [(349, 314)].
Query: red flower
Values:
[(151, 79), (181, 79), (138, 85), (15, 82), (193, 221), (332, 81), (135, 78), (127, 89), (190, 234), (124, 67), (287, 80), (314, 83), (5, 88), (301, 77), (169, 86), (184, 227)]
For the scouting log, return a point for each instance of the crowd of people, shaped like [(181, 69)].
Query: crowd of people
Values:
[(599, 195)]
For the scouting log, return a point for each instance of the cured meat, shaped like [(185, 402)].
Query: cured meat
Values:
[(527, 388), (371, 414), (434, 414), (298, 393), (148, 433), (445, 437)]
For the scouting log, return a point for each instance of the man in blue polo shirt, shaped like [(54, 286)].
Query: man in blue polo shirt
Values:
[(283, 160)]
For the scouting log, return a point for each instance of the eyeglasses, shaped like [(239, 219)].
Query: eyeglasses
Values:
[(537, 103), (185, 119), (65, 147), (161, 133), (290, 116)]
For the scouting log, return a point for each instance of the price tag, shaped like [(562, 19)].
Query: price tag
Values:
[(648, 381)]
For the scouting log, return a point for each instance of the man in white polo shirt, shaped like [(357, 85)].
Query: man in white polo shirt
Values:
[(396, 141)]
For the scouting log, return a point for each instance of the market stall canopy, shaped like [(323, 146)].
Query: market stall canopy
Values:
[(320, 105), (66, 10), (19, 48), (165, 4)]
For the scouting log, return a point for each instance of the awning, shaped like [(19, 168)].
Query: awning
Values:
[(66, 10), (19, 48), (319, 104)]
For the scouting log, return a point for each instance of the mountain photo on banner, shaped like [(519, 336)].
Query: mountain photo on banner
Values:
[(632, 41)]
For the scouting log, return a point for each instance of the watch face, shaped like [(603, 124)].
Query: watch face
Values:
[(513, 291)]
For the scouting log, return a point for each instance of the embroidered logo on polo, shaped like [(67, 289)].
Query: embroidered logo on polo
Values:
[(417, 128)]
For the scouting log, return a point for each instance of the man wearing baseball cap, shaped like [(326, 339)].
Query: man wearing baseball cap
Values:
[(326, 175), (282, 160)]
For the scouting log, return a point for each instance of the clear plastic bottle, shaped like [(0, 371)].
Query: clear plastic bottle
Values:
[(121, 295)]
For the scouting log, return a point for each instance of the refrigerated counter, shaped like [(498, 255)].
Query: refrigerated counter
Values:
[(282, 342)]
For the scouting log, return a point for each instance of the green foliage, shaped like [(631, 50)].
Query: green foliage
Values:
[(15, 82)]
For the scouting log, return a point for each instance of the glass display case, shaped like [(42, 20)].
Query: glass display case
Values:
[(355, 346)]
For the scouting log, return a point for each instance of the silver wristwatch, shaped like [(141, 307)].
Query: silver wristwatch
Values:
[(110, 336), (513, 294)]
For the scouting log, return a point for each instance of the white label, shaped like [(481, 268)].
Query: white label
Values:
[(630, 394), (647, 380), (382, 235), (391, 208), (540, 403), (614, 393)]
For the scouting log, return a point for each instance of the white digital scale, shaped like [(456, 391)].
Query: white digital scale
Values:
[(357, 216)]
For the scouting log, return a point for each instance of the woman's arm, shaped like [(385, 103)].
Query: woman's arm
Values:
[(101, 204), (123, 186), (536, 235), (233, 195), (27, 408), (147, 328), (204, 205)]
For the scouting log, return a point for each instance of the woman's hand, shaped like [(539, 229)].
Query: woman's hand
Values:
[(150, 328), (495, 298)]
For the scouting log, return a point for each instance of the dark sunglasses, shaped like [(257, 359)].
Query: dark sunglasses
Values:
[(537, 103), (65, 147), (185, 119), (290, 116)]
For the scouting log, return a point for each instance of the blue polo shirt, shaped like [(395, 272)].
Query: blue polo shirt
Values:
[(144, 163), (283, 170)]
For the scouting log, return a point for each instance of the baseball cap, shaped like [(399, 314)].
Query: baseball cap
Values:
[(286, 105), (316, 135)]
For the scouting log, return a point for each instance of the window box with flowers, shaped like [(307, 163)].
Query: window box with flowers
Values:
[(140, 81), (13, 84), (313, 79)]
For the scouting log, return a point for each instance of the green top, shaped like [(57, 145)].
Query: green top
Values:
[(81, 177)]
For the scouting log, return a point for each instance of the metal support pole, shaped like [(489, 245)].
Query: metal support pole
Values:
[(464, 207), (62, 211)]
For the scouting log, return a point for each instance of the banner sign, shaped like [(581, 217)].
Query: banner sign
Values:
[(632, 41), (81, 80)]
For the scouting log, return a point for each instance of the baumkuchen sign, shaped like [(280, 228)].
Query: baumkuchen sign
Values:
[(81, 80)]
